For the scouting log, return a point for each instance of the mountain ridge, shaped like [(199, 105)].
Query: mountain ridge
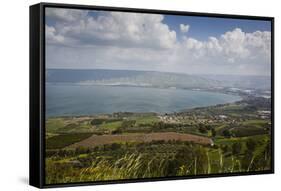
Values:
[(153, 79)]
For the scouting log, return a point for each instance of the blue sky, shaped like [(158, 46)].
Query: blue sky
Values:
[(203, 27)]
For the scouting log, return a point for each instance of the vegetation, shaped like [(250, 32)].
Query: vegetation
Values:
[(63, 140), (225, 138), (154, 159)]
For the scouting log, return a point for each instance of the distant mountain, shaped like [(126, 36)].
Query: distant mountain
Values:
[(129, 78), (152, 79), (75, 76), (241, 81)]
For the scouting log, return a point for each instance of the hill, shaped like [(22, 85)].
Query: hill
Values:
[(154, 79)]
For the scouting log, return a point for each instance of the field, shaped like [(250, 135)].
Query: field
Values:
[(217, 139), (96, 140)]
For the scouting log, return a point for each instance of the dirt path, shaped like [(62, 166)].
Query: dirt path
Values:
[(96, 140)]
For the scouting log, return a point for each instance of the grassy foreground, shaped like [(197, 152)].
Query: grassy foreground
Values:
[(219, 139)]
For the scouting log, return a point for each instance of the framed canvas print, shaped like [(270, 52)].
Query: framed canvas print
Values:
[(126, 95)]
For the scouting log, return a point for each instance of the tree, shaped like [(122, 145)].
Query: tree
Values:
[(128, 124), (226, 133), (208, 127), (116, 131), (202, 128)]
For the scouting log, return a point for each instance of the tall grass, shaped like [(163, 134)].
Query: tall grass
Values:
[(148, 161)]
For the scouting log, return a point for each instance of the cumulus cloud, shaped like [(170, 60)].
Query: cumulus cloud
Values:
[(51, 35), (233, 45), (118, 40), (65, 15), (184, 28), (115, 29)]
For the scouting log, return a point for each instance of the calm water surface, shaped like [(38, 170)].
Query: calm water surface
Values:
[(68, 100)]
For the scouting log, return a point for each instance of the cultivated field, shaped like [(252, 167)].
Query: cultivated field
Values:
[(96, 140)]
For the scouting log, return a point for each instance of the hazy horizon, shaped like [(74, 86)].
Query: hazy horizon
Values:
[(156, 71)]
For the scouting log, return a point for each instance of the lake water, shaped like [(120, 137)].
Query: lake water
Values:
[(68, 100)]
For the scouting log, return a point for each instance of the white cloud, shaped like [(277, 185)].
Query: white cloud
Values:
[(144, 42), (184, 28), (65, 15), (116, 28), (233, 45), (51, 35)]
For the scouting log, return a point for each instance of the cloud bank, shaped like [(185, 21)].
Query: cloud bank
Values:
[(118, 40)]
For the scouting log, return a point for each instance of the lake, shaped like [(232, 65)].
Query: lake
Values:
[(67, 100)]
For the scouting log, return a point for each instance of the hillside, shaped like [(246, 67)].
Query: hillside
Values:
[(153, 79)]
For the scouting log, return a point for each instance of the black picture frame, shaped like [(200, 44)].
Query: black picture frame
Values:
[(37, 92)]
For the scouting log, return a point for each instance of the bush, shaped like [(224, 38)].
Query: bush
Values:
[(226, 133), (97, 121)]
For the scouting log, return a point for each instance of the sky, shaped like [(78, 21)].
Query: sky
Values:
[(84, 39)]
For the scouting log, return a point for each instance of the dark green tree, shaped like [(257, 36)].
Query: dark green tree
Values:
[(226, 133), (202, 128)]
